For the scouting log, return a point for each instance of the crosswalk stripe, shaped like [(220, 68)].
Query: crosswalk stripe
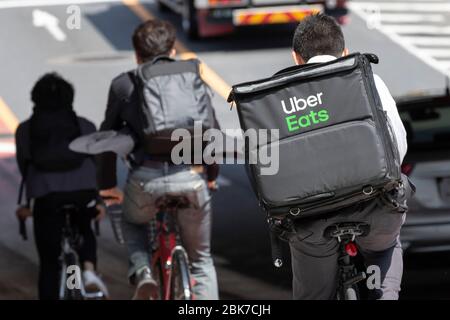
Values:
[(445, 64), (411, 17), (437, 53), (429, 41), (405, 6), (418, 29)]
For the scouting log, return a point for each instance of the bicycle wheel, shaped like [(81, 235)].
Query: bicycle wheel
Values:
[(180, 281)]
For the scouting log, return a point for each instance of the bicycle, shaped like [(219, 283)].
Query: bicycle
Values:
[(169, 262), (70, 239), (349, 277)]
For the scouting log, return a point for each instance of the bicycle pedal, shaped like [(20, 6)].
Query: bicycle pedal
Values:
[(358, 278)]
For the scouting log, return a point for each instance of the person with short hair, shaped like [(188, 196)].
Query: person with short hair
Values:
[(155, 39), (319, 39)]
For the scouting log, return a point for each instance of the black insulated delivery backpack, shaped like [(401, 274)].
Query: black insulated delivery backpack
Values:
[(336, 146), (172, 95)]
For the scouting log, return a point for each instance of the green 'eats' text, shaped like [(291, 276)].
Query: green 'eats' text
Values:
[(296, 121)]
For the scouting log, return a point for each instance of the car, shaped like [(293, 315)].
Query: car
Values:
[(427, 163), (206, 18)]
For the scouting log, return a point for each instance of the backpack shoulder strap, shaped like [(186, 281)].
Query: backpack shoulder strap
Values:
[(150, 70), (160, 58)]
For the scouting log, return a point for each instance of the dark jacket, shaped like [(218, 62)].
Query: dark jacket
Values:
[(38, 183), (121, 113)]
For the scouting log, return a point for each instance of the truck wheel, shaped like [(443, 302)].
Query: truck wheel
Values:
[(189, 20)]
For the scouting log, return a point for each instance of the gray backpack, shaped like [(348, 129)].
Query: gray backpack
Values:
[(173, 95)]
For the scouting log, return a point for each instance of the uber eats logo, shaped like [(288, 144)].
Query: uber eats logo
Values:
[(303, 120)]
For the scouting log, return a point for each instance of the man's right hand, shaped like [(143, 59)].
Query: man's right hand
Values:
[(23, 213), (112, 196), (213, 186)]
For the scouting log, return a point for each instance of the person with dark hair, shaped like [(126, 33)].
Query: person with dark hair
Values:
[(319, 39), (318, 35), (54, 176), (150, 173), (153, 38)]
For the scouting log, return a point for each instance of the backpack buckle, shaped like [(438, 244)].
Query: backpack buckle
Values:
[(295, 211), (368, 190)]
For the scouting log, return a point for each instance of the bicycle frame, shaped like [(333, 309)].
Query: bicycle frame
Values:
[(345, 234), (349, 276), (168, 243)]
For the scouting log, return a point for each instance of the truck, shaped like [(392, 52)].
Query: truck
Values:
[(207, 18)]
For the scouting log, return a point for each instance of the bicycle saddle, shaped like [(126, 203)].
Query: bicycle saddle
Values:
[(347, 229)]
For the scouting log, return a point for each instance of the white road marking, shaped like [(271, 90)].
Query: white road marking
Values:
[(10, 4), (50, 22), (428, 41), (419, 29), (411, 17), (437, 53), (445, 64), (405, 6)]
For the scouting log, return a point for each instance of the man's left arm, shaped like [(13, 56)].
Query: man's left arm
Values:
[(390, 107)]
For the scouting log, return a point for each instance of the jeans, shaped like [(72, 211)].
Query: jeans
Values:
[(314, 258), (144, 186), (48, 224)]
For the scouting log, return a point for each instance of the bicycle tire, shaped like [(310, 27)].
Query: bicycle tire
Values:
[(158, 275), (351, 293), (180, 280)]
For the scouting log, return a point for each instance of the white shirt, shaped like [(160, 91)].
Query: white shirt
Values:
[(388, 104)]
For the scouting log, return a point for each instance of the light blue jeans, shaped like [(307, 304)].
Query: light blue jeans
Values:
[(144, 186)]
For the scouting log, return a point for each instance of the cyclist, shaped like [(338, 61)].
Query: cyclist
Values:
[(152, 39), (55, 176), (319, 39)]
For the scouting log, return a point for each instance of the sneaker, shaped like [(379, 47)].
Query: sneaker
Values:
[(147, 287), (93, 283)]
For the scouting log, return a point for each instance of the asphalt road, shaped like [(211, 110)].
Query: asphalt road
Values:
[(101, 49)]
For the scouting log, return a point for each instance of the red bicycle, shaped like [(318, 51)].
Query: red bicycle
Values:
[(170, 264)]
